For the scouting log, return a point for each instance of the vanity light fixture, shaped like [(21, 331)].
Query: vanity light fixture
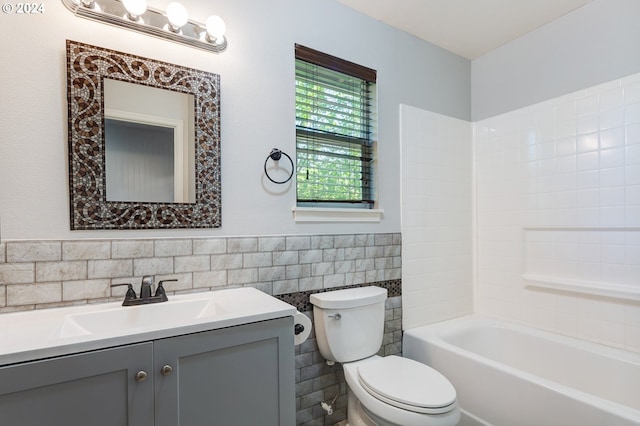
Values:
[(91, 4), (177, 16), (215, 30), (135, 9), (173, 24)]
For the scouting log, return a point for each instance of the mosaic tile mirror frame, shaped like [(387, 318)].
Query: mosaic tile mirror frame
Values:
[(87, 67)]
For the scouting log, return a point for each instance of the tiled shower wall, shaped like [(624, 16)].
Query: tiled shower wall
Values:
[(43, 274), (558, 214), (436, 189)]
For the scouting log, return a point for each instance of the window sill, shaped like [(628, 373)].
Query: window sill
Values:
[(315, 214)]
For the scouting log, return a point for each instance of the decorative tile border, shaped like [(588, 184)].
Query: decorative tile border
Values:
[(300, 299), (87, 67)]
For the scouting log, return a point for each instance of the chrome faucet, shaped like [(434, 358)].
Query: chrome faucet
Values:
[(146, 289)]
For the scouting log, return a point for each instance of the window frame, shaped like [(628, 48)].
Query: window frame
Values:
[(355, 211)]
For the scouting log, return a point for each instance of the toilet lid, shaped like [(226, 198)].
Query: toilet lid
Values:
[(407, 384)]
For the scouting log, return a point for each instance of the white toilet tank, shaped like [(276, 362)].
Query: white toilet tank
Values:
[(349, 323)]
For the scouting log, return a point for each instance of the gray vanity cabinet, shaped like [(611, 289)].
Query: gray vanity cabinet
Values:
[(236, 376), (93, 388)]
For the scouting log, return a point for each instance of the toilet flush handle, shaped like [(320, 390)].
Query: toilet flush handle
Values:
[(336, 316)]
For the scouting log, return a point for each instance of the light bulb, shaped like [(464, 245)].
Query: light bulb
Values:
[(135, 8), (89, 4), (177, 15), (215, 29)]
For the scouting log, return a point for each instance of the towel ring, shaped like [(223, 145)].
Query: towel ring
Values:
[(276, 155)]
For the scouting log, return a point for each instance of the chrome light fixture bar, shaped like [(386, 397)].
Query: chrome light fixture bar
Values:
[(172, 25)]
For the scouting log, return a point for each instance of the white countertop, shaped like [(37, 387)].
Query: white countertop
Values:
[(32, 335)]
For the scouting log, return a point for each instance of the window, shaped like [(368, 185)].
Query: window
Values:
[(334, 131)]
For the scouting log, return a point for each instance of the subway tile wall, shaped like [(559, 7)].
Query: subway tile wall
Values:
[(558, 214), (38, 274), (436, 217), (43, 274)]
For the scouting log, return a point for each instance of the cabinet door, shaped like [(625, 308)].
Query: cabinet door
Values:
[(237, 376), (90, 389)]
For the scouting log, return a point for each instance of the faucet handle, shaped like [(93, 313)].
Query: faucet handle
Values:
[(164, 281), (160, 290), (131, 293)]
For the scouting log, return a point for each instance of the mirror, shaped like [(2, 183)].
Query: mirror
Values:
[(144, 142), (149, 143)]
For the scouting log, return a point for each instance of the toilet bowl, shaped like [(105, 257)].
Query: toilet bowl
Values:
[(382, 391), (395, 391)]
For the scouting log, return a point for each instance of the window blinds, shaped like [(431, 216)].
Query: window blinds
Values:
[(334, 131)]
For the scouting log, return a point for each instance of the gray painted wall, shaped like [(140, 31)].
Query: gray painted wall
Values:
[(591, 45), (258, 107)]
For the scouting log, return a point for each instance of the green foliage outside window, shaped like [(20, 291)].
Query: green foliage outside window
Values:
[(333, 134)]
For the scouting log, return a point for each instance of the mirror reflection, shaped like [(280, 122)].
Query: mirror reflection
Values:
[(149, 143)]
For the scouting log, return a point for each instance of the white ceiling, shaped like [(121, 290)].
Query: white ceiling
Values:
[(469, 28)]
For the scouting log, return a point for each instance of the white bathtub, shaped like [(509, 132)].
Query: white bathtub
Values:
[(510, 375)]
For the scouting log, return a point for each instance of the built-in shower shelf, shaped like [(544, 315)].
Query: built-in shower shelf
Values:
[(583, 228), (596, 288), (591, 260)]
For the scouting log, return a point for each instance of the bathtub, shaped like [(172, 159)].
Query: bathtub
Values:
[(511, 375)]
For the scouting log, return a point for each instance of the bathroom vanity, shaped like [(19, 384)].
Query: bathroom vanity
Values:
[(231, 369)]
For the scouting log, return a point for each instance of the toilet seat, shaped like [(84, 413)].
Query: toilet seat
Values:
[(407, 384)]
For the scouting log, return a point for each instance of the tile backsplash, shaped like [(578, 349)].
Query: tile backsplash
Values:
[(40, 274)]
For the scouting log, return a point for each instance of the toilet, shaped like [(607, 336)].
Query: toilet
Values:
[(382, 391)]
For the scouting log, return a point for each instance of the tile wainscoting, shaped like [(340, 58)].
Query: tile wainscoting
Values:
[(46, 274)]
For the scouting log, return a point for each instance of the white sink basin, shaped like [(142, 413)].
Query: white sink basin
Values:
[(52, 332), (121, 318)]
